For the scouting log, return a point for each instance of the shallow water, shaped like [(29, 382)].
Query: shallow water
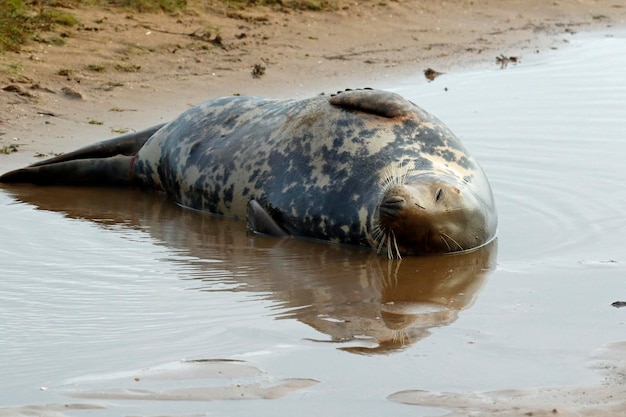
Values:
[(124, 304)]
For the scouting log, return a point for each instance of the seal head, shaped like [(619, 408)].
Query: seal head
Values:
[(431, 214)]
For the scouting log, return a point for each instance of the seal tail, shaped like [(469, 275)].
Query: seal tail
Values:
[(106, 163), (113, 171), (128, 144)]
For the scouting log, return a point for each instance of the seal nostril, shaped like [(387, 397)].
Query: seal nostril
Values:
[(391, 206), (394, 201), (439, 194)]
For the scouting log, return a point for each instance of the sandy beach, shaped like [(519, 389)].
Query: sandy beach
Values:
[(118, 71)]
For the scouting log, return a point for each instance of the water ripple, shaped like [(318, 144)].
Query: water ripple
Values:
[(551, 139)]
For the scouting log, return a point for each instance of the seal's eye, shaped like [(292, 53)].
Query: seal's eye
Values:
[(439, 194)]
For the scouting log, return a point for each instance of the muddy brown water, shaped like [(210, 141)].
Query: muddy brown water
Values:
[(121, 303)]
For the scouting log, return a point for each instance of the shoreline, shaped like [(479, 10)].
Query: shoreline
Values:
[(119, 72)]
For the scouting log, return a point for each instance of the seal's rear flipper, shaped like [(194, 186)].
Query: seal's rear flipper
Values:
[(128, 144), (260, 221), (114, 171)]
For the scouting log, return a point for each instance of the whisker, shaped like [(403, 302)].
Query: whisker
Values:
[(406, 175), (443, 239), (375, 235), (396, 175), (395, 243), (400, 336), (382, 242), (380, 239), (392, 273), (454, 241)]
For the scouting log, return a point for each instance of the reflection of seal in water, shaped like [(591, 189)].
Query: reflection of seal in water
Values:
[(362, 167), (361, 302)]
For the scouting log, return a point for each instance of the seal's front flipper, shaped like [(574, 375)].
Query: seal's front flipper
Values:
[(114, 171), (128, 144), (260, 221)]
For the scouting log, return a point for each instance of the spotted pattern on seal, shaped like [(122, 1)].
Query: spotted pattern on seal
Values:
[(316, 165)]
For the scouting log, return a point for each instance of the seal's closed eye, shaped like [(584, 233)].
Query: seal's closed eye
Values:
[(439, 194)]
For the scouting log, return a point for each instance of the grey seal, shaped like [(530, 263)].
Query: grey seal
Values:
[(360, 167)]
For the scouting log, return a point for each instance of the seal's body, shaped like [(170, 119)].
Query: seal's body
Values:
[(362, 167)]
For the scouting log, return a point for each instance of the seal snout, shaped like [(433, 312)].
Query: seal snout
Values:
[(400, 199), (404, 218), (425, 217), (391, 206)]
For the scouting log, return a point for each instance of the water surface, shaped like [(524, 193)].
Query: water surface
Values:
[(124, 304)]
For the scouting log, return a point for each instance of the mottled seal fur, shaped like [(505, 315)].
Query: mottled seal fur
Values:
[(361, 167)]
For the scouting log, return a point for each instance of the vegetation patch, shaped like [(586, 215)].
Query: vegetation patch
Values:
[(14, 25), (14, 68), (65, 72), (51, 16), (96, 67), (128, 67), (25, 20), (21, 21), (289, 4), (8, 149), (150, 5)]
